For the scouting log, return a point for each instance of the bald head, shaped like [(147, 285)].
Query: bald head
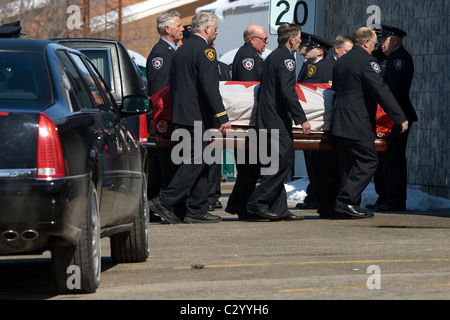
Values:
[(256, 35)]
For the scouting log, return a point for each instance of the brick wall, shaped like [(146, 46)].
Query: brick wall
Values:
[(428, 41)]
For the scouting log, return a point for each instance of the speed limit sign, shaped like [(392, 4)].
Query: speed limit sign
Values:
[(301, 12)]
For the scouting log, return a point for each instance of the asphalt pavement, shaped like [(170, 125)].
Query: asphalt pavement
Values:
[(393, 256)]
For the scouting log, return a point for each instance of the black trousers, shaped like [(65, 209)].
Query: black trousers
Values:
[(247, 177), (391, 178), (312, 176), (190, 182), (271, 193), (326, 185), (358, 162), (214, 177)]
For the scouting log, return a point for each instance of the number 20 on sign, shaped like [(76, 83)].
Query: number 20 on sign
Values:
[(301, 12)]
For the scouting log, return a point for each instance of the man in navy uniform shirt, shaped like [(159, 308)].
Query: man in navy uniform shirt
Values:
[(159, 60), (248, 61), (247, 66), (170, 28)]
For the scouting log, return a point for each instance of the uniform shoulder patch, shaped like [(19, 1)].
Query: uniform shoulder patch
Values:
[(157, 62), (248, 63), (375, 66), (290, 64), (399, 63), (311, 70), (210, 54)]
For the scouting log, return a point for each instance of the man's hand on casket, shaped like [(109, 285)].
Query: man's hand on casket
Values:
[(306, 126), (225, 126)]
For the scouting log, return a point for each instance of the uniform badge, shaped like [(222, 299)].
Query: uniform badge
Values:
[(312, 69), (398, 64), (248, 63), (210, 54), (157, 62), (290, 64), (162, 126), (375, 66)]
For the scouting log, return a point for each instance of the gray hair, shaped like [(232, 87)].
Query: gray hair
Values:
[(341, 40), (166, 20), (361, 35), (201, 20)]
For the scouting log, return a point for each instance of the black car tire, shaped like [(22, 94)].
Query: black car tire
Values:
[(133, 245), (86, 255)]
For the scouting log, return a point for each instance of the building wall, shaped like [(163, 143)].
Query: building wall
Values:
[(428, 41)]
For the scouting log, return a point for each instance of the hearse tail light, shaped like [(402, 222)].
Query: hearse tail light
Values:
[(50, 162)]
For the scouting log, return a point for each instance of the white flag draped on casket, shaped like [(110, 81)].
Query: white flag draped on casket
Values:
[(239, 99)]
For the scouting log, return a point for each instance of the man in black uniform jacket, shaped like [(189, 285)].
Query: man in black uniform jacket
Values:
[(320, 66), (397, 69), (359, 85), (169, 26), (159, 60), (319, 69), (278, 106), (247, 66), (197, 106)]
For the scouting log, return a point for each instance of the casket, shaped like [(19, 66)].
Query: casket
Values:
[(239, 99)]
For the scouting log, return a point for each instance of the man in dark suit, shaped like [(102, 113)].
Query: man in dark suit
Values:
[(170, 29), (278, 107), (197, 106), (397, 69), (359, 86), (247, 66)]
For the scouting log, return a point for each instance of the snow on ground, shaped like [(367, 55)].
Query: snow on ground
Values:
[(417, 200)]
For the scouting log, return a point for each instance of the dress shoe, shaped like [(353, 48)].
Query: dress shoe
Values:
[(353, 210), (390, 208), (162, 211), (306, 205), (292, 217), (210, 207), (265, 213), (334, 215), (201, 218), (218, 205), (244, 216)]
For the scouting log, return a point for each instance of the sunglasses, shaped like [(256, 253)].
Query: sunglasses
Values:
[(263, 39)]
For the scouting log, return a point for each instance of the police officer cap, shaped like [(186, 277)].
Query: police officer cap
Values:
[(10, 30), (305, 38), (387, 31), (319, 42)]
